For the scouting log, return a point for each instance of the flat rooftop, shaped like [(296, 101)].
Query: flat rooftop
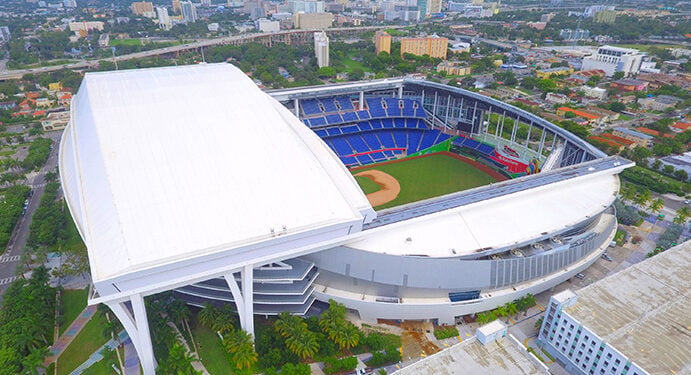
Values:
[(471, 357), (643, 311)]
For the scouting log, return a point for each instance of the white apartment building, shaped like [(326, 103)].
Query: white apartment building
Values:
[(163, 18), (614, 59), (627, 323), (189, 11), (321, 48), (267, 26)]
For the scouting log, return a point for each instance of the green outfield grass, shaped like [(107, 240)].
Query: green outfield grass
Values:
[(427, 177)]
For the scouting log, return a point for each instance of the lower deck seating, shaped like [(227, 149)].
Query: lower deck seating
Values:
[(367, 142)]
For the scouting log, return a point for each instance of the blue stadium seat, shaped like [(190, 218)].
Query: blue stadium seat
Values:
[(345, 103), (386, 138), (334, 131), (375, 108), (393, 107), (428, 139), (349, 117), (348, 160), (328, 104), (388, 123), (317, 121), (306, 122), (371, 140), (350, 129), (364, 115), (358, 144), (471, 143), (376, 124), (485, 149), (334, 119), (310, 107), (364, 126), (364, 159), (408, 110), (378, 156), (340, 146), (414, 141), (321, 133), (401, 139)]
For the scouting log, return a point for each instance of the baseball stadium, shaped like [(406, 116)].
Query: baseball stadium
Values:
[(401, 198)]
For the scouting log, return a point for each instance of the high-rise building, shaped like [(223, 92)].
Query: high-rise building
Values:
[(177, 8), (206, 3), (5, 34), (321, 48), (313, 20), (382, 42), (614, 59), (307, 6), (163, 18), (189, 11), (69, 3), (422, 6), (433, 46), (571, 34), (434, 6), (143, 8)]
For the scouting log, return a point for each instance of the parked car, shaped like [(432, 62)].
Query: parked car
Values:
[(580, 276)]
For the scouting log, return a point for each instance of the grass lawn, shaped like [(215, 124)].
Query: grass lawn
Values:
[(620, 237), (125, 42), (89, 340), (211, 351), (352, 64), (429, 177), (367, 185), (646, 47), (625, 117), (73, 302)]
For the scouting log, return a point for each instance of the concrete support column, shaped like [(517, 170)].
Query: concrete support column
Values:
[(296, 104), (248, 293), (137, 328), (244, 301), (361, 103), (400, 92)]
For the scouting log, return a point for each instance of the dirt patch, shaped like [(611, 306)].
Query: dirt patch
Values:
[(414, 341), (388, 184)]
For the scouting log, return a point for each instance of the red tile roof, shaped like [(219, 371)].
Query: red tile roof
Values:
[(652, 132)]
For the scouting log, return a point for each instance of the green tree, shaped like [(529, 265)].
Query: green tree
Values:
[(178, 362), (642, 197), (239, 344), (208, 314), (618, 75), (628, 193), (683, 215)]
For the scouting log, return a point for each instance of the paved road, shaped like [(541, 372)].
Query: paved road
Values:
[(9, 261)]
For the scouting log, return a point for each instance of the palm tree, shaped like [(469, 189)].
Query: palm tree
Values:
[(34, 361), (207, 315), (628, 193), (501, 311), (178, 362), (683, 214), (303, 343), (642, 197), (529, 301), (239, 344), (348, 336), (511, 309), (656, 205), (180, 313)]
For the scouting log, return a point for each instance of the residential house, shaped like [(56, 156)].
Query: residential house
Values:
[(659, 103), (592, 119), (639, 138), (629, 85), (56, 121)]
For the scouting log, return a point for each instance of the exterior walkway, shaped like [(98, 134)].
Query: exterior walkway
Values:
[(72, 331), (97, 356), (131, 359)]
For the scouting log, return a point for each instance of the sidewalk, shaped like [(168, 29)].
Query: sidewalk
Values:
[(69, 335), (97, 356)]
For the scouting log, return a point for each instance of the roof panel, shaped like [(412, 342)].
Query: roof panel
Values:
[(171, 162)]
